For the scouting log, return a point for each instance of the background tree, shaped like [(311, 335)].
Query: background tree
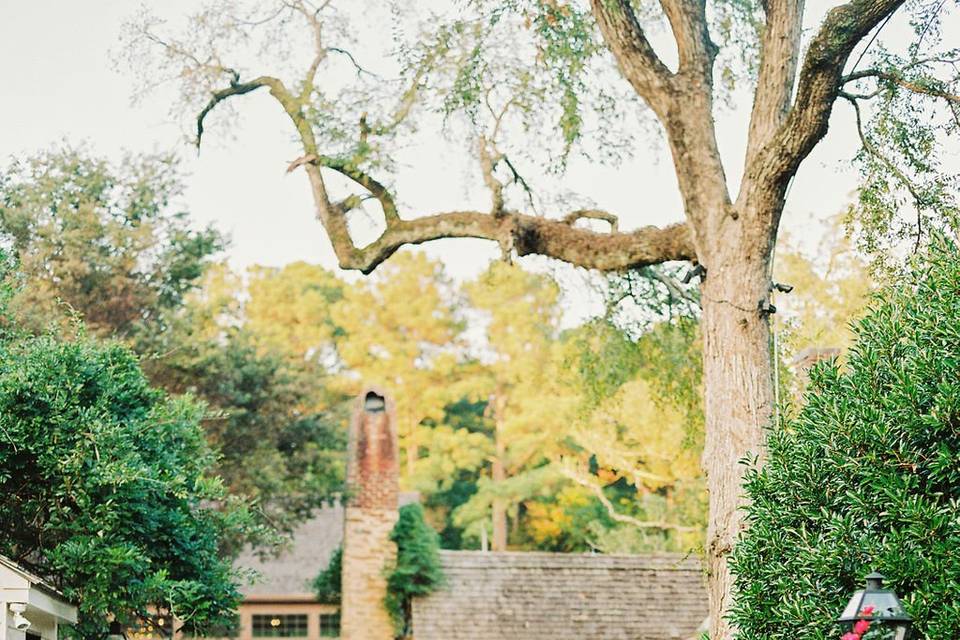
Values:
[(641, 426), (107, 485), (106, 242), (518, 352), (345, 133), (400, 331), (865, 476), (832, 284), (109, 244)]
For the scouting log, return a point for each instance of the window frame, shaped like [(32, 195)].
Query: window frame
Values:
[(260, 626), (335, 616)]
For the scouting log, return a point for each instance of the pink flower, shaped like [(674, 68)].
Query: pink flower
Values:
[(849, 636), (861, 627), (867, 610)]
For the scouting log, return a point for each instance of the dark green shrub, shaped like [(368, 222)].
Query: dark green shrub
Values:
[(417, 571), (327, 585), (106, 485), (866, 476)]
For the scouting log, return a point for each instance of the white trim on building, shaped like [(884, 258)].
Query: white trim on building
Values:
[(25, 598)]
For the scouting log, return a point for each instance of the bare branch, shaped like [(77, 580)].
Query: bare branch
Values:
[(353, 61), (898, 79), (597, 491), (376, 188), (673, 287), (870, 148), (236, 88), (901, 177), (519, 179), (320, 53), (488, 164), (302, 160), (592, 214)]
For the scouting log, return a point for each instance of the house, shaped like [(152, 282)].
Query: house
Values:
[(281, 602), (486, 596), (489, 596), (30, 609)]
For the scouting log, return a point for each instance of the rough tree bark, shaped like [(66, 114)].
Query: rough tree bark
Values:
[(498, 472), (732, 238)]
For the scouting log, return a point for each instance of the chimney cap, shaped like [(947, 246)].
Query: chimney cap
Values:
[(373, 402)]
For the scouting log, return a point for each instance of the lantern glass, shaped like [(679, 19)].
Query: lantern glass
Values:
[(881, 608), (885, 605)]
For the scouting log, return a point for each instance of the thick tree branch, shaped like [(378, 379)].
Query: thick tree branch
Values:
[(688, 21), (523, 233), (779, 57), (770, 168), (592, 214), (634, 54), (683, 102)]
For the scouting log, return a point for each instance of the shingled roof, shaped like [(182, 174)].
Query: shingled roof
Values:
[(553, 596), (288, 575)]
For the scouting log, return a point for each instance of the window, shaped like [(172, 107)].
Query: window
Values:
[(280, 625), (330, 625)]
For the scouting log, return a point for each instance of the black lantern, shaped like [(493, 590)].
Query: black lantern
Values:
[(116, 631), (877, 612)]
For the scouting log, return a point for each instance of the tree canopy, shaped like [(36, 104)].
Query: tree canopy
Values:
[(534, 81), (111, 246), (105, 241), (108, 485)]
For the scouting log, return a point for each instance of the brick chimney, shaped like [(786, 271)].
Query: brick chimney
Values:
[(371, 513)]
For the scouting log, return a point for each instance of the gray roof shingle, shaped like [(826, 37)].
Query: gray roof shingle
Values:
[(553, 596), (289, 574)]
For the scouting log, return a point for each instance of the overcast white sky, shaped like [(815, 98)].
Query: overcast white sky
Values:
[(59, 84)]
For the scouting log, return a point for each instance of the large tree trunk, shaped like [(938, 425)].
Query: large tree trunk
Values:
[(738, 401)]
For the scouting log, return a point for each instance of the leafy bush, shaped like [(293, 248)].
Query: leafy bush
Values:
[(417, 571), (866, 476), (105, 487), (328, 584)]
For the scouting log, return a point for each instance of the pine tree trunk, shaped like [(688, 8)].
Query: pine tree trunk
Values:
[(738, 404), (498, 474)]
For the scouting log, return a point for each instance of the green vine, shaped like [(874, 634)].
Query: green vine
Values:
[(417, 571)]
